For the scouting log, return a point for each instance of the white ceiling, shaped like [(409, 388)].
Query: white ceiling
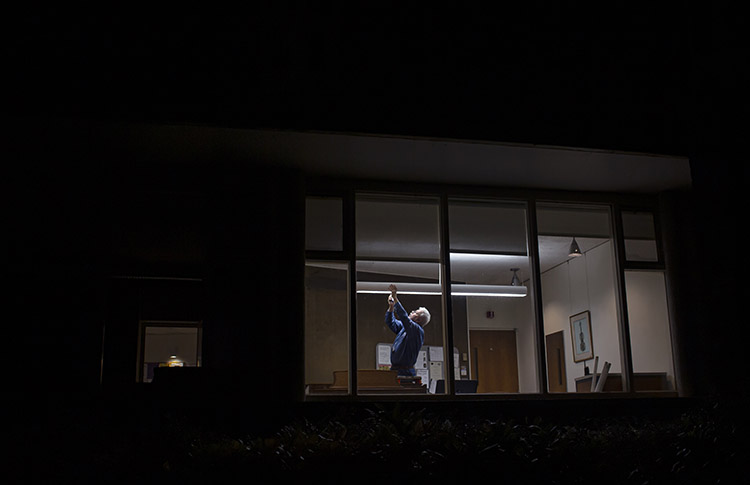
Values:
[(488, 269)]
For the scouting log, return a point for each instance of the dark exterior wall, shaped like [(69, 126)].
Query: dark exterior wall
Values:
[(81, 215), (230, 231)]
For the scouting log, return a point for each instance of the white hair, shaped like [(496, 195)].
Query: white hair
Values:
[(425, 313)]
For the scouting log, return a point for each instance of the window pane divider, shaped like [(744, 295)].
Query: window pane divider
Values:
[(445, 274), (622, 299), (536, 278), (350, 249)]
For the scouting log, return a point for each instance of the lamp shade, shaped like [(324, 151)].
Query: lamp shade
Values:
[(574, 251)]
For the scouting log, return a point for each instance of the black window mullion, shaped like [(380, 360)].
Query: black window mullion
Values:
[(446, 291), (622, 301), (350, 250), (536, 275)]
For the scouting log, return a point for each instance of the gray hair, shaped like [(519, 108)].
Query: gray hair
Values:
[(426, 313)]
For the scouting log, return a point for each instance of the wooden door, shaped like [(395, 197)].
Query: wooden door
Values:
[(494, 360), (556, 377)]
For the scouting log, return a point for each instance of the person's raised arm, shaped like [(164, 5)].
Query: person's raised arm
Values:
[(398, 309), (390, 321)]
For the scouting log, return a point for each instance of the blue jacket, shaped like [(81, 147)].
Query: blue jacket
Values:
[(409, 337)]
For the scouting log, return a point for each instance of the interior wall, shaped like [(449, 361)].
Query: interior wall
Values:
[(648, 316), (326, 324), (510, 314), (585, 283), (179, 342)]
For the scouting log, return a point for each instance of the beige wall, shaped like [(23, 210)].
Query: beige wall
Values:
[(588, 283), (510, 314), (585, 283), (650, 337)]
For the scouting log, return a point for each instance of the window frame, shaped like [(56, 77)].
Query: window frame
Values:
[(348, 189)]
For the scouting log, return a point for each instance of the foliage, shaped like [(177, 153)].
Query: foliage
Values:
[(382, 442)]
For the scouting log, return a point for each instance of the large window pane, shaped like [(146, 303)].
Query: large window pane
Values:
[(397, 242), (326, 327), (579, 289), (493, 320), (650, 338)]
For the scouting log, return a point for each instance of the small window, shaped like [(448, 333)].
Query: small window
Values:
[(640, 236), (324, 228), (169, 344)]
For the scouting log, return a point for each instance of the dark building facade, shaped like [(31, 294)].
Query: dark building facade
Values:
[(121, 230)]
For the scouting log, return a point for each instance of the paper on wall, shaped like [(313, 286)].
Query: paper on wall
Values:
[(384, 354), (436, 370), (436, 354)]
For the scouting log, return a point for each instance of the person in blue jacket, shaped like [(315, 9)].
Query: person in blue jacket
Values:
[(409, 333)]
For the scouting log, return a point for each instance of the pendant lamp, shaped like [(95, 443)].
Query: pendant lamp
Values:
[(574, 251), (516, 281)]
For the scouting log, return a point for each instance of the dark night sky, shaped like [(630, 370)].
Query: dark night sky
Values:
[(624, 78)]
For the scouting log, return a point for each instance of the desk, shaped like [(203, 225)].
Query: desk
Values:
[(368, 382), (642, 381)]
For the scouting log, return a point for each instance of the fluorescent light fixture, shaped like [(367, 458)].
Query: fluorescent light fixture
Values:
[(488, 290), (377, 287)]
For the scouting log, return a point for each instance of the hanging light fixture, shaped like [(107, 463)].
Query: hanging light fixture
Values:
[(516, 281), (574, 251)]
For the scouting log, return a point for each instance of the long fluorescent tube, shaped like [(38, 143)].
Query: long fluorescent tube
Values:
[(488, 290), (377, 287), (405, 288)]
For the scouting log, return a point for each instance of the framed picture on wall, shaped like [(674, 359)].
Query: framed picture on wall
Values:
[(580, 332)]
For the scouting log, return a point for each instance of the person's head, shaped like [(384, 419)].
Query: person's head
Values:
[(421, 315)]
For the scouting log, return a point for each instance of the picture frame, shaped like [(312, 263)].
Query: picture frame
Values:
[(581, 336)]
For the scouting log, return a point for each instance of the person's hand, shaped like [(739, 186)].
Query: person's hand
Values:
[(393, 288)]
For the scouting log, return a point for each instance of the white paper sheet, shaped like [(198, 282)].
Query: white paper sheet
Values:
[(384, 354), (436, 370), (436, 354)]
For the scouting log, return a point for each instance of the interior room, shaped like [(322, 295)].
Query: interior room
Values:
[(493, 303)]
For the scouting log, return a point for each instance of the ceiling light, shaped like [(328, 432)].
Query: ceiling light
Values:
[(488, 290), (574, 250), (378, 287), (515, 281)]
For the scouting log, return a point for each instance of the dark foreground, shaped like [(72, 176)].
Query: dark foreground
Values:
[(374, 443)]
